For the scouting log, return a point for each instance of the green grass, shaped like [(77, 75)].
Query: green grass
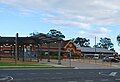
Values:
[(12, 65), (23, 64)]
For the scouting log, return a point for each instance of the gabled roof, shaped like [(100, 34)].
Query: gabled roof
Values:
[(69, 42), (98, 50), (11, 40), (41, 38)]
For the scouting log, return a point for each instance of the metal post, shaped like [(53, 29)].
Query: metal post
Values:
[(59, 53), (16, 48)]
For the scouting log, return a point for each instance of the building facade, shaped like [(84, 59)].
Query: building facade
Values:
[(46, 47)]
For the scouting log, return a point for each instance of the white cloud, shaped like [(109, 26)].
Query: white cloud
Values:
[(104, 30), (96, 32), (99, 32), (67, 23), (72, 13), (83, 14), (87, 11)]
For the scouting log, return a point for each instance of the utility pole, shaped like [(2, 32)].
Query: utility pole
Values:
[(16, 48)]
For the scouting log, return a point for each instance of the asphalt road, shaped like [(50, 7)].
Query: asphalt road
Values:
[(61, 75)]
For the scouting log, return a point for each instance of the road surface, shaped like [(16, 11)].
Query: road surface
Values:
[(61, 75)]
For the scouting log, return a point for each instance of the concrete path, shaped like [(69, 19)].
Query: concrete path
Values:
[(82, 64)]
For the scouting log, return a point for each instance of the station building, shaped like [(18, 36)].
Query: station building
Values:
[(37, 47), (43, 46)]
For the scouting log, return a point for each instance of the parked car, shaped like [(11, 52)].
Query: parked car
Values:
[(96, 57), (110, 59), (118, 58)]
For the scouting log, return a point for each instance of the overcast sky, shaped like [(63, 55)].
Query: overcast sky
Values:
[(83, 18)]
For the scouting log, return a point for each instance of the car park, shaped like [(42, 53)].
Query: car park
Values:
[(117, 58), (110, 59), (96, 57)]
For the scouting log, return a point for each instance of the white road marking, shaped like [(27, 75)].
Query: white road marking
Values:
[(8, 78), (75, 68), (101, 73), (112, 73), (11, 78)]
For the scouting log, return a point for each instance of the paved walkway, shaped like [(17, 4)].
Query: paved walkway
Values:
[(82, 64)]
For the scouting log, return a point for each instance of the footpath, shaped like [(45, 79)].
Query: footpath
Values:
[(82, 64)]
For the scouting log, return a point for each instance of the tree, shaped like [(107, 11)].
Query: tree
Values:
[(118, 39), (97, 45), (112, 49), (72, 39), (105, 43), (55, 33), (34, 33), (83, 42)]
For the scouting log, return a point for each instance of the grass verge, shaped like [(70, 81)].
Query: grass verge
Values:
[(23, 65)]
